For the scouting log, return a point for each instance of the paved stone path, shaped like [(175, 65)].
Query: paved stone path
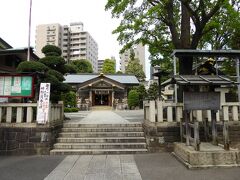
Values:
[(96, 167), (100, 117)]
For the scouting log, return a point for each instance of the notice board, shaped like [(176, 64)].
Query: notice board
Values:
[(16, 86)]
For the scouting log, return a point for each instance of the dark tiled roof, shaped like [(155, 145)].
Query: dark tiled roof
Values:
[(200, 80)]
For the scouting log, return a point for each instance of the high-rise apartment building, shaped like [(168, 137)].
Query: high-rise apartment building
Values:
[(73, 40), (139, 52)]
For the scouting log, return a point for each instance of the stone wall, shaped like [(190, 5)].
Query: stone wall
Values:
[(27, 140), (161, 136)]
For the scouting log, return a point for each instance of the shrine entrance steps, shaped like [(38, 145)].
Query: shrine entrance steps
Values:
[(77, 139)]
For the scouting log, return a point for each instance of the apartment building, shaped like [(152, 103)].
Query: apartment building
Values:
[(72, 39), (139, 51)]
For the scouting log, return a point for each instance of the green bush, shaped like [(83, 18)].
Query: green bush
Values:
[(66, 109), (70, 99), (51, 50), (32, 66), (133, 99)]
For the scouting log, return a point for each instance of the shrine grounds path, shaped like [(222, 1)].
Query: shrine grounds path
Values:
[(152, 166)]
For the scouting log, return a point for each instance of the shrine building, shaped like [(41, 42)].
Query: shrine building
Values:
[(101, 89)]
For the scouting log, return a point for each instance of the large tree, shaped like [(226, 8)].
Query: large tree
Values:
[(109, 66), (82, 66), (165, 25)]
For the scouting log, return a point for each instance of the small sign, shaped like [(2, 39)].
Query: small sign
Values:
[(43, 103), (201, 100)]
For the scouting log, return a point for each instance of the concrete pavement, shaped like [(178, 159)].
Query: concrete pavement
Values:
[(157, 166)]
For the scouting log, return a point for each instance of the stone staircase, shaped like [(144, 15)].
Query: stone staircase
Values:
[(100, 139)]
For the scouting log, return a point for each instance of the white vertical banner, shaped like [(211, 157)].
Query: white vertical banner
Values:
[(43, 103)]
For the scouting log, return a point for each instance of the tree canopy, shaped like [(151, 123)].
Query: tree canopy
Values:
[(109, 66), (51, 70), (83, 66), (134, 67), (169, 24)]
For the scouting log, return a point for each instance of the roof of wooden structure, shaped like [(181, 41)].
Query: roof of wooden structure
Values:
[(199, 80)]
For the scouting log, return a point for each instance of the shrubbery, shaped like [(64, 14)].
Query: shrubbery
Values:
[(133, 99), (66, 109)]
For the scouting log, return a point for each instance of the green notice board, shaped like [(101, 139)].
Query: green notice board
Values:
[(16, 86)]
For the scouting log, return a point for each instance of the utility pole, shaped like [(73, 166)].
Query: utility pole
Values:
[(29, 30)]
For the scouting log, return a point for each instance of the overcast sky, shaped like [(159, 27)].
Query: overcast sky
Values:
[(14, 21)]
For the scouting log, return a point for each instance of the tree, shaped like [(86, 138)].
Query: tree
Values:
[(50, 70), (109, 66), (133, 99), (51, 50), (153, 91), (134, 67), (83, 66), (225, 23), (142, 94), (165, 25), (70, 99)]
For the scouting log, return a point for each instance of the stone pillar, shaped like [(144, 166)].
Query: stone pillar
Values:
[(159, 111), (152, 111), (222, 91)]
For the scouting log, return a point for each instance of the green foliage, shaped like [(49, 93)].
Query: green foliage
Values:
[(52, 68), (220, 30), (133, 99), (228, 67), (54, 62), (70, 68), (51, 50), (235, 41), (153, 91), (55, 74), (119, 72), (109, 66), (134, 67), (168, 25), (71, 109), (69, 99), (141, 91), (83, 66), (142, 94), (31, 66)]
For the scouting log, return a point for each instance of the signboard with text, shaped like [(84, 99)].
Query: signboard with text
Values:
[(16, 86), (43, 103)]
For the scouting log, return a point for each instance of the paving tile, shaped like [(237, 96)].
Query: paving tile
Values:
[(97, 176), (132, 177), (63, 168)]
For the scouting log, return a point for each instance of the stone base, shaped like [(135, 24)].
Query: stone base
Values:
[(208, 156)]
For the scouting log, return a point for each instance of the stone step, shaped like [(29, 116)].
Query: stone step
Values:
[(101, 140), (95, 151), (100, 134), (101, 129), (100, 145), (77, 125)]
